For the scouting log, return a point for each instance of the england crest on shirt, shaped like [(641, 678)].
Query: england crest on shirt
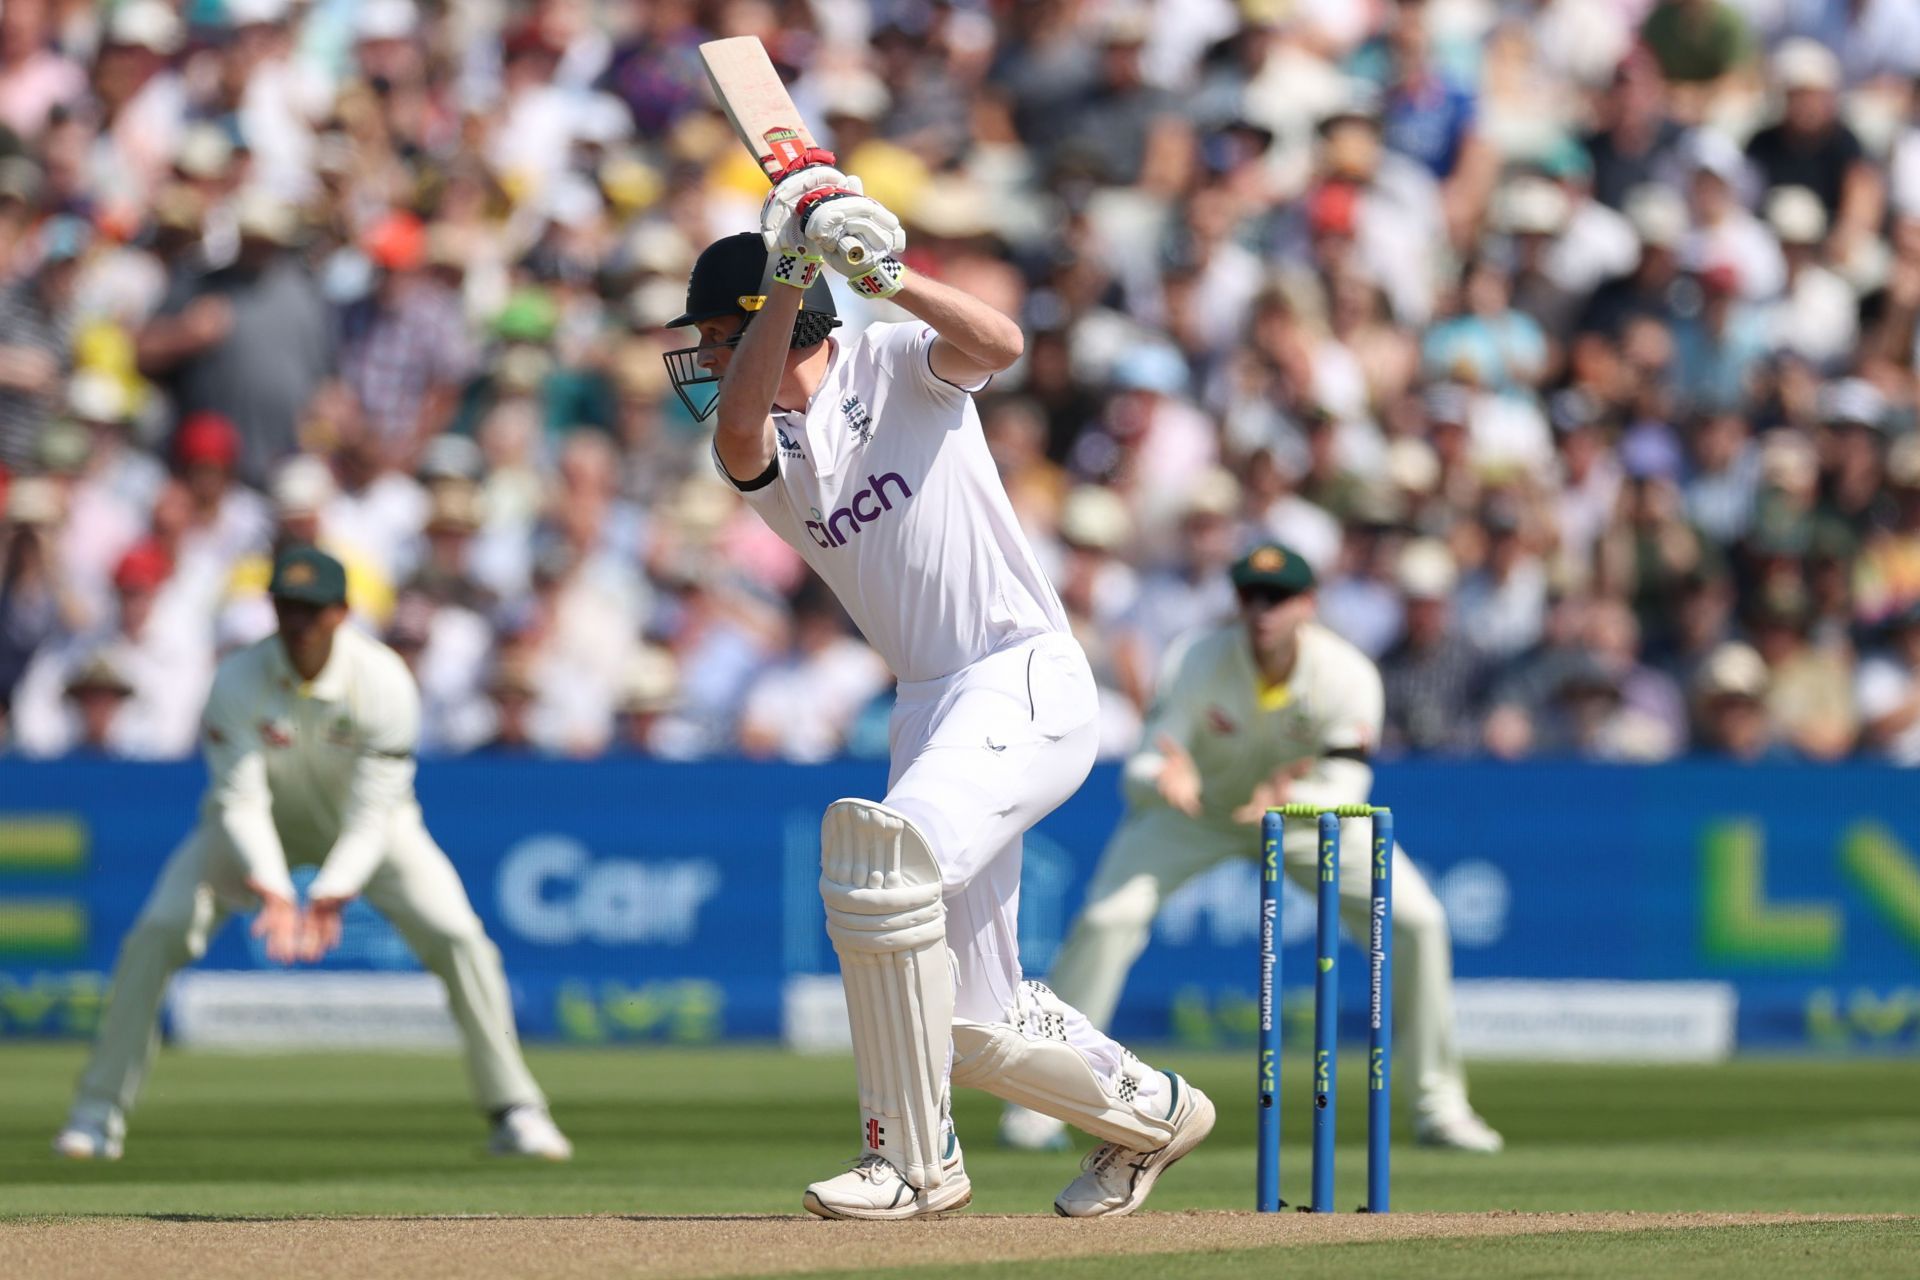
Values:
[(859, 420)]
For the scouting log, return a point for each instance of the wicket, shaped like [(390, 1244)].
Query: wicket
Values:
[(1326, 1005)]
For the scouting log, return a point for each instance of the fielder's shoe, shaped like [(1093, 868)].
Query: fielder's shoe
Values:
[(874, 1190), (1460, 1130), (1115, 1181), (93, 1132), (529, 1131), (1025, 1130)]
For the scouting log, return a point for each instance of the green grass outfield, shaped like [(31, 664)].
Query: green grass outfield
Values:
[(741, 1131)]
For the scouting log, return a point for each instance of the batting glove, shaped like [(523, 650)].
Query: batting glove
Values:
[(853, 232), (778, 207)]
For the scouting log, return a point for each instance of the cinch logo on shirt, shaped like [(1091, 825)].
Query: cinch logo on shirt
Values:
[(834, 530)]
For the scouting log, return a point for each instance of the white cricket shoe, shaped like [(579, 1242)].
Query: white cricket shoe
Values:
[(1025, 1130), (529, 1131), (874, 1190), (1458, 1130), (1115, 1181), (93, 1132)]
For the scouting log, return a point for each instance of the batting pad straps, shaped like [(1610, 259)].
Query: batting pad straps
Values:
[(881, 886), (1028, 1061)]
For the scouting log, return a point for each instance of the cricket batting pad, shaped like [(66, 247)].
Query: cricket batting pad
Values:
[(1027, 1060), (881, 885)]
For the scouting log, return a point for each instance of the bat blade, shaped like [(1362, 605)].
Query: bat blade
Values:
[(750, 92)]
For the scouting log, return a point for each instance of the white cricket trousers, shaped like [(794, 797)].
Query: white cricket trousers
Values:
[(979, 757), (415, 887), (1157, 849)]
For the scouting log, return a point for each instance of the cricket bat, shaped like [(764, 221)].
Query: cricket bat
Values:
[(762, 115)]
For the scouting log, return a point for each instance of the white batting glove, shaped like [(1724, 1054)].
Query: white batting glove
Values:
[(777, 208), (795, 261), (853, 232)]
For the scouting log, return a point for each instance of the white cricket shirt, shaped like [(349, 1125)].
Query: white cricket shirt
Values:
[(884, 484), (311, 771), (1212, 702)]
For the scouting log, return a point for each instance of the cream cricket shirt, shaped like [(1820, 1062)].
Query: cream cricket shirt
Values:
[(1212, 701), (303, 772), (884, 484)]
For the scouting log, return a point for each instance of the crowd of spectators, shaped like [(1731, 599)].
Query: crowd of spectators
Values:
[(1572, 341)]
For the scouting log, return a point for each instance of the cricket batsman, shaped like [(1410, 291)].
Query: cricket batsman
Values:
[(309, 738), (865, 453), (1270, 708)]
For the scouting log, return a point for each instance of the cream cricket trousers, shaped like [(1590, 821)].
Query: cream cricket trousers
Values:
[(978, 758), (1157, 849), (415, 887)]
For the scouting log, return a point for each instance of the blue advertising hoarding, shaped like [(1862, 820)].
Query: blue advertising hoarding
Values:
[(640, 901)]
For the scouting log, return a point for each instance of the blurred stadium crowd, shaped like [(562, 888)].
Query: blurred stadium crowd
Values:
[(1573, 341)]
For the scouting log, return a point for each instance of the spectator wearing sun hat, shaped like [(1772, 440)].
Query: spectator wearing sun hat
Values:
[(157, 640)]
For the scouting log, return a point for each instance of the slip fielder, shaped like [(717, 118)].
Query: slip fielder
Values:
[(309, 738), (1270, 708), (866, 455)]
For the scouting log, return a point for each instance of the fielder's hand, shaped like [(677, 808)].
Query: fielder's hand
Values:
[(1179, 780), (777, 209), (277, 924), (320, 928)]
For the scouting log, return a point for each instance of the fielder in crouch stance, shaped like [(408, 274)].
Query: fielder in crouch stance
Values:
[(309, 738), (1268, 709), (867, 456)]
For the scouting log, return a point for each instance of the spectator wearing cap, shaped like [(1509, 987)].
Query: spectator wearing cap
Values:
[(1725, 236), (1887, 690), (1587, 485), (1718, 348), (1099, 590), (1151, 443), (647, 697), (159, 642), (1369, 210), (1502, 603), (1651, 546), (1433, 676), (97, 694), (1659, 218), (1817, 316), (1810, 146), (1810, 693), (228, 519), (801, 706), (1189, 592), (404, 348), (1730, 708), (36, 338), (378, 507), (142, 97), (252, 340), (1852, 445), (1723, 483)]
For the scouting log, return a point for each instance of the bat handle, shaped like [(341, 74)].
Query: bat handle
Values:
[(852, 250)]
